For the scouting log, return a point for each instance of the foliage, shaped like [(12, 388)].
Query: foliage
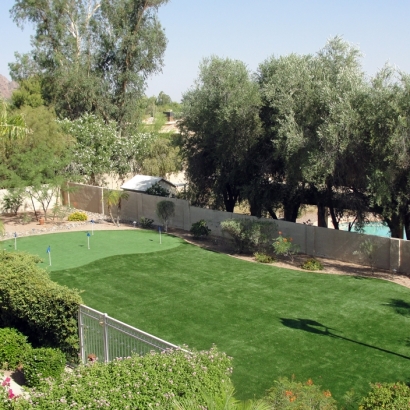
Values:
[(158, 190), (223, 400), (2, 228), (146, 222), (284, 246), (99, 149), (387, 396), (13, 348), (165, 211), (263, 258), (114, 199), (137, 382), (219, 126), (249, 235), (199, 229), (13, 201), (92, 56), (77, 216), (289, 394), (43, 310), (368, 251), (28, 93), (8, 400), (11, 126), (312, 264), (42, 363)]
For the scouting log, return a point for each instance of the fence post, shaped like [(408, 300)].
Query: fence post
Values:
[(105, 336), (81, 335)]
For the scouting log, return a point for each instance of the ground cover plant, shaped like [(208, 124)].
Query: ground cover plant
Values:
[(340, 331)]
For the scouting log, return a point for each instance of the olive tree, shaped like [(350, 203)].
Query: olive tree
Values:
[(165, 211)]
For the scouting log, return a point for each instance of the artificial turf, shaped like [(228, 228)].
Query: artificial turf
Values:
[(341, 331)]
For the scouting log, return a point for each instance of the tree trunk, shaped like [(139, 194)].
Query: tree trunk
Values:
[(321, 215), (230, 198), (272, 213), (395, 224), (291, 210)]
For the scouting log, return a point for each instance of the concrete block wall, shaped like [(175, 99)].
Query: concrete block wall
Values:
[(390, 254)]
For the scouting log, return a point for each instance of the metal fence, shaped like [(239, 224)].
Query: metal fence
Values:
[(108, 338)]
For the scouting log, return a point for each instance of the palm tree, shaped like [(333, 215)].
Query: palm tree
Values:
[(113, 199)]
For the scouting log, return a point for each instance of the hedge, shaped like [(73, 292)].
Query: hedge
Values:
[(38, 307)]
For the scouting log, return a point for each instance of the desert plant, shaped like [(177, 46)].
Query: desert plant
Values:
[(368, 251), (284, 246), (165, 211), (263, 257), (13, 348), (387, 396), (42, 363), (13, 201), (25, 218), (199, 229), (146, 222), (77, 217), (289, 394), (114, 198), (312, 264)]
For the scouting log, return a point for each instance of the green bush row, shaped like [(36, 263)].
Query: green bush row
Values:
[(41, 309), (153, 380), (77, 216)]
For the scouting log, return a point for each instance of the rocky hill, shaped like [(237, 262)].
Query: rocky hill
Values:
[(6, 87)]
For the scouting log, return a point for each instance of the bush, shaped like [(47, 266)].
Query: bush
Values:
[(13, 201), (284, 246), (249, 235), (289, 394), (387, 396), (13, 348), (263, 258), (42, 363), (146, 222), (158, 190), (138, 382), (38, 307), (312, 264), (199, 229), (77, 217)]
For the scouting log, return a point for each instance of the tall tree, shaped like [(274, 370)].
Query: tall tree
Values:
[(93, 55), (219, 126)]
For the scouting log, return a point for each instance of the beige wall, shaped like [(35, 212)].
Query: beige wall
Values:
[(390, 254)]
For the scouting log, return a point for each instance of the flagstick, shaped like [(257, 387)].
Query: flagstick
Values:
[(160, 239), (15, 241), (49, 258), (92, 226), (88, 239)]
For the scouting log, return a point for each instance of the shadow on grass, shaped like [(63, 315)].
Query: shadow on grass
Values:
[(312, 326), (400, 306)]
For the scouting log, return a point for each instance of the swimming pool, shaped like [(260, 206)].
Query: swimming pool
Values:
[(372, 228)]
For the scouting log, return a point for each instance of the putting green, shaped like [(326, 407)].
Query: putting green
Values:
[(70, 249)]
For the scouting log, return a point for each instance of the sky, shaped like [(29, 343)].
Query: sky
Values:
[(254, 31)]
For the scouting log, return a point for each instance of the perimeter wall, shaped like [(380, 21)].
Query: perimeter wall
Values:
[(392, 254)]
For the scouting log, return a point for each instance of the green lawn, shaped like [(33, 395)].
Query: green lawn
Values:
[(343, 332)]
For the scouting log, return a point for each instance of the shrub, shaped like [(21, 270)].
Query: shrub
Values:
[(387, 396), (312, 264), (38, 307), (165, 211), (290, 394), (263, 258), (138, 382), (199, 229), (158, 190), (146, 222), (13, 348), (77, 216), (284, 246), (42, 363), (249, 235), (12, 201)]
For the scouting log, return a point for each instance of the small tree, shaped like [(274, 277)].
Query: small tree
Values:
[(165, 211), (158, 190), (114, 199)]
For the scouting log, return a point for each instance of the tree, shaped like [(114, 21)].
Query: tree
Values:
[(114, 199), (219, 127), (93, 56), (165, 211), (11, 126)]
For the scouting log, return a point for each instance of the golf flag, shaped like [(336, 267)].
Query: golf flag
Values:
[(49, 255), (88, 239), (92, 226), (15, 241), (160, 239)]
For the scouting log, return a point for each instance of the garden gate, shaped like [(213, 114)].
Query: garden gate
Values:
[(108, 338)]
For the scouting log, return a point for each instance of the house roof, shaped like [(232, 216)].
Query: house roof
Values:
[(143, 182)]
